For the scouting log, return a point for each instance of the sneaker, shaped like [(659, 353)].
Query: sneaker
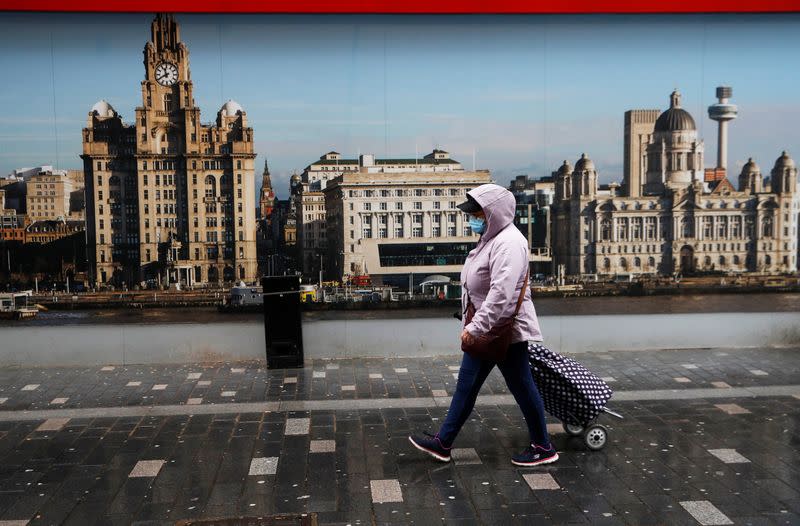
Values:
[(431, 445), (535, 455)]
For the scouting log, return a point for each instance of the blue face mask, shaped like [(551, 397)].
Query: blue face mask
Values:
[(478, 225)]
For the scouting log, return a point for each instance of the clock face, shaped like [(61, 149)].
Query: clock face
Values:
[(167, 73)]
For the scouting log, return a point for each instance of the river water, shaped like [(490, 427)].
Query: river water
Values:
[(574, 306)]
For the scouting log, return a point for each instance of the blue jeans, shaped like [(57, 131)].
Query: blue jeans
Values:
[(517, 373)]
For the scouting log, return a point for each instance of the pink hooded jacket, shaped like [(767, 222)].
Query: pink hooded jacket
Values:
[(494, 270)]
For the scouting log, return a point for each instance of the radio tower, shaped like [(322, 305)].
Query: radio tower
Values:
[(722, 112)]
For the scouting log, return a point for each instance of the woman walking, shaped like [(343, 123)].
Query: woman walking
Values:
[(493, 279)]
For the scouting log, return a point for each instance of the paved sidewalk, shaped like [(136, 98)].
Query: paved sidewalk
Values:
[(709, 437)]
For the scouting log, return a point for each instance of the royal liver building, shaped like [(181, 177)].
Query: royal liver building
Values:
[(671, 215), (168, 199)]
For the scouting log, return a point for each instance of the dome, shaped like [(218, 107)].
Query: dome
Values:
[(295, 178), (103, 109), (564, 168), (230, 109), (784, 161), (675, 118), (750, 167), (584, 164)]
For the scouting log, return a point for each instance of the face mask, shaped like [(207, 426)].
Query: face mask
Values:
[(478, 225)]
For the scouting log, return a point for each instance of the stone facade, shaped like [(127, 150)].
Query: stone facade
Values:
[(371, 207), (169, 199), (55, 195), (677, 223)]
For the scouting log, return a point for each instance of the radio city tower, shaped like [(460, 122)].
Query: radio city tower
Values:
[(722, 112)]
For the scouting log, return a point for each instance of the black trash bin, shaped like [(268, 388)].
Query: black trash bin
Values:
[(282, 326)]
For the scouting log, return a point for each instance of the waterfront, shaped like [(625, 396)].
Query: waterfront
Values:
[(621, 305)]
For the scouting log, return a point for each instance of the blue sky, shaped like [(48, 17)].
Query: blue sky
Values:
[(524, 93)]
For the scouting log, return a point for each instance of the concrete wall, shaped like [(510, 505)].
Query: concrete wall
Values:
[(194, 342)]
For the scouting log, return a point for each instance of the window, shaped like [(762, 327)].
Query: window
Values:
[(651, 262), (605, 230), (398, 205), (383, 205), (437, 205), (239, 167), (239, 176), (416, 231), (367, 206), (437, 231), (211, 186), (637, 228), (417, 205), (622, 228), (766, 227), (637, 262)]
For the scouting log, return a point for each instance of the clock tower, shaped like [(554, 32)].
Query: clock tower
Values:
[(170, 200)]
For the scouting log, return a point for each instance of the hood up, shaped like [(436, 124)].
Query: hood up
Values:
[(499, 206)]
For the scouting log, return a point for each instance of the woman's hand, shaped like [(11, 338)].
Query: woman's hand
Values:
[(466, 337)]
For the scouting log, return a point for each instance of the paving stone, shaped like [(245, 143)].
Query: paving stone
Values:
[(159, 387), (194, 401), (609, 379), (375, 376), (290, 380), (319, 374), (728, 456), (721, 385), (194, 376), (401, 370), (3, 400), (540, 481), (332, 366), (14, 522), (555, 429), (146, 468), (348, 388), (386, 490), (53, 424), (439, 393), (465, 456), (237, 370), (203, 383), (228, 394), (263, 466), (108, 368), (59, 401), (705, 513), (322, 446), (759, 372), (133, 384), (30, 387), (732, 409), (682, 380), (297, 426), (689, 366)]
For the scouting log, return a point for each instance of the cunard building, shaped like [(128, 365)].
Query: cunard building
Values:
[(168, 198), (673, 215)]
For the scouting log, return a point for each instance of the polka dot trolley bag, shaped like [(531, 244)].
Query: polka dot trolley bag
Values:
[(570, 392)]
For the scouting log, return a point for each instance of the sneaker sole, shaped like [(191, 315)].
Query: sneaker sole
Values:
[(434, 454), (537, 463)]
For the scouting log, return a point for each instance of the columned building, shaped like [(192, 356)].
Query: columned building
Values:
[(393, 222), (169, 199), (679, 223)]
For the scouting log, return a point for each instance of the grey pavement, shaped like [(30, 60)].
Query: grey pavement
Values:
[(709, 436)]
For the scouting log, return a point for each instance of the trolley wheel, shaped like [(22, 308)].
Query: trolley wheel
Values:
[(596, 437), (572, 430)]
